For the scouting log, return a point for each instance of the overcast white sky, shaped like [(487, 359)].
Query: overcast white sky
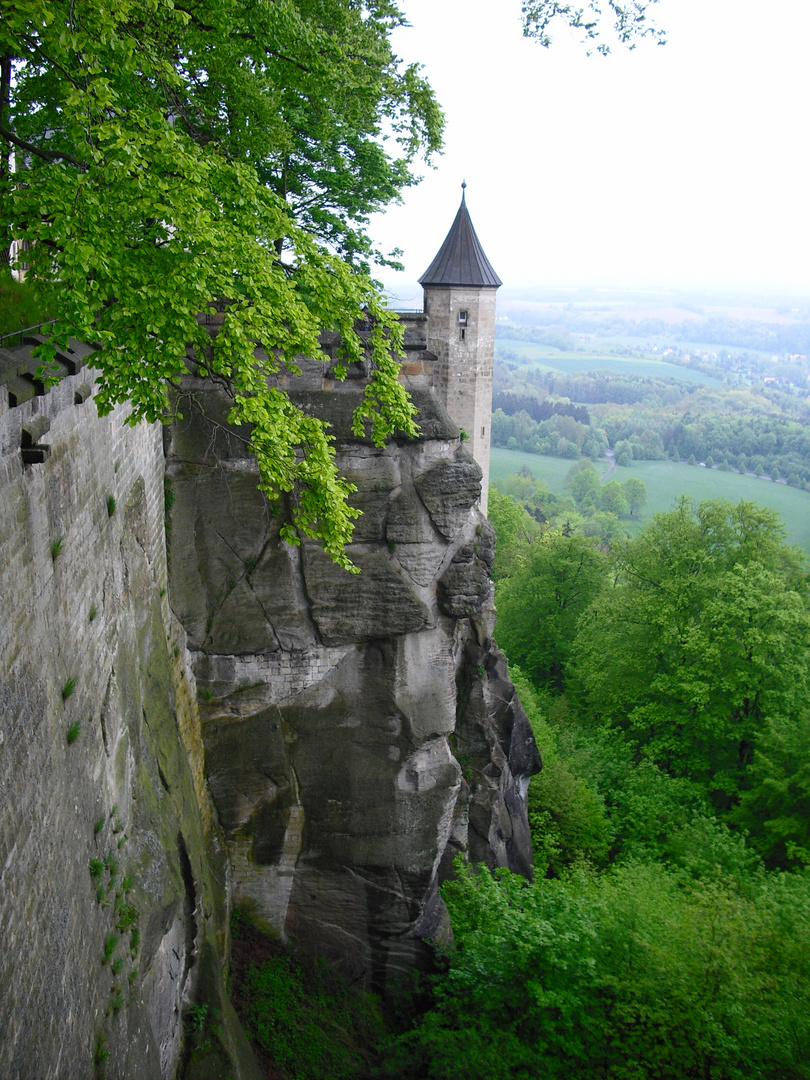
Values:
[(675, 165)]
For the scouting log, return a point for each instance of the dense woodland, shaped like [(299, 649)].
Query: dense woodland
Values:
[(667, 933), (756, 428), (750, 414)]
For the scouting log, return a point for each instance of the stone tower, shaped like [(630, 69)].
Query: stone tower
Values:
[(460, 287)]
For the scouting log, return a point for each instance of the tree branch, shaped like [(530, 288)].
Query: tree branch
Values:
[(46, 155)]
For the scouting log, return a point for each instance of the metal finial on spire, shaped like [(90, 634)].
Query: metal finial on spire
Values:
[(463, 186)]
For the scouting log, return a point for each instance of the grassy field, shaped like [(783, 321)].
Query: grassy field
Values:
[(570, 363), (666, 480), (505, 463)]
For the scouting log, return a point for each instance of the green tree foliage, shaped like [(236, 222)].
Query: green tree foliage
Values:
[(163, 154), (541, 603), (515, 529), (775, 807), (561, 435), (642, 972), (700, 642), (309, 1023), (612, 500), (567, 819), (605, 527), (583, 480), (654, 944), (302, 1015), (20, 306), (594, 21), (566, 813), (635, 493), (536, 499)]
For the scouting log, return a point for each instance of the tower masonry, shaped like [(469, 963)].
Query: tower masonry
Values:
[(459, 287)]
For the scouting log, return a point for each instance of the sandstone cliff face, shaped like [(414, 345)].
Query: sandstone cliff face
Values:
[(358, 729)]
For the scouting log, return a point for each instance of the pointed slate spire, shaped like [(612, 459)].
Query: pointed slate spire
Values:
[(461, 259)]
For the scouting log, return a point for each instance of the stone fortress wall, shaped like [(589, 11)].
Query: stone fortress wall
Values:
[(100, 755)]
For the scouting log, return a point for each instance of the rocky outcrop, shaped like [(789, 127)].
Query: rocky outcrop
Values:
[(358, 729), (286, 736)]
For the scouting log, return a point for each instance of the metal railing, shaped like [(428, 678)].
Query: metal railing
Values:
[(22, 332)]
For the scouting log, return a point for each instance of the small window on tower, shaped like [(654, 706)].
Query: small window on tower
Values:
[(463, 332), (462, 318)]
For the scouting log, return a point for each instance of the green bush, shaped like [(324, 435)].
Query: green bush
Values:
[(310, 1022), (567, 820)]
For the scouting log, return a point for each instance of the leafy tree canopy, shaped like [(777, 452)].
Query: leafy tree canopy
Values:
[(701, 642), (641, 972), (515, 528), (583, 480), (635, 492), (170, 155), (541, 603), (594, 21)]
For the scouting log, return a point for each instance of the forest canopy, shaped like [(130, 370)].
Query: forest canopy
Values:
[(667, 932), (169, 157)]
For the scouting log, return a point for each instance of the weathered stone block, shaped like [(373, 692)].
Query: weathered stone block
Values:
[(234, 585), (375, 474), (466, 585), (248, 771), (375, 603), (449, 491), (424, 684), (410, 533)]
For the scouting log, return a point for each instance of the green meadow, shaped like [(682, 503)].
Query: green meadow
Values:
[(553, 470), (549, 358), (667, 480)]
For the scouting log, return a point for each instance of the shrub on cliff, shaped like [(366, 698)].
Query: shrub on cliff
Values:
[(304, 1020)]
